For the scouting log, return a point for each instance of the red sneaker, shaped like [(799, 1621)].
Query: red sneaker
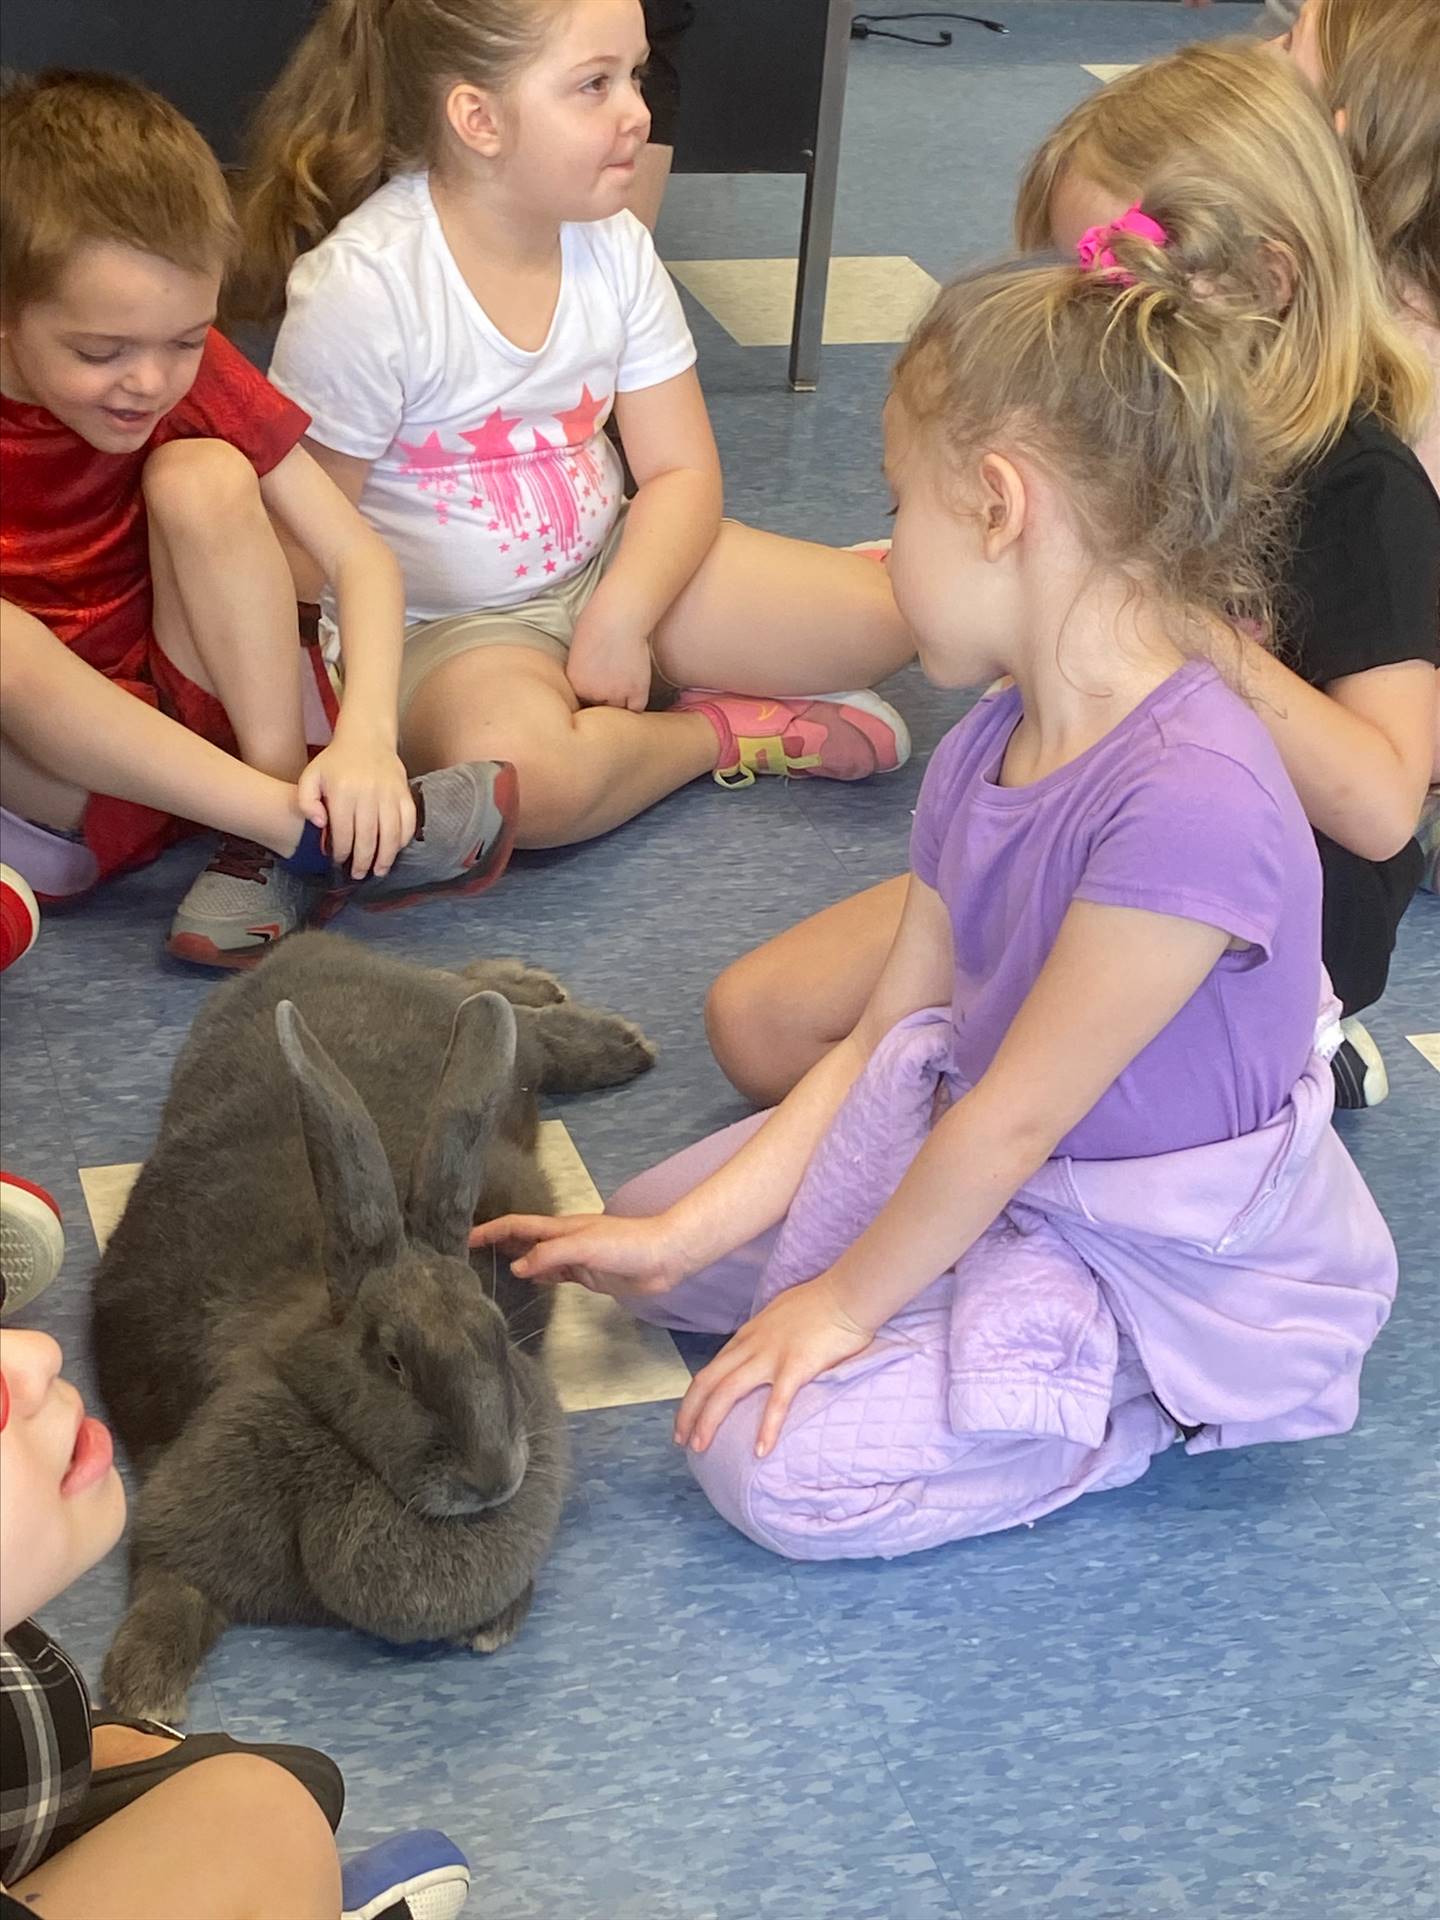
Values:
[(831, 736), (19, 917), (32, 1241)]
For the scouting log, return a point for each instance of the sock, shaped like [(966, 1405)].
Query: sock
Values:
[(310, 855), (75, 836)]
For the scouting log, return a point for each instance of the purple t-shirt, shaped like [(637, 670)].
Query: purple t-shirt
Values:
[(1184, 808)]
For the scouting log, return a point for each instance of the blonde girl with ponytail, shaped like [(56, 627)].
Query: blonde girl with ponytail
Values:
[(1106, 977), (1226, 144), (437, 198), (1340, 392)]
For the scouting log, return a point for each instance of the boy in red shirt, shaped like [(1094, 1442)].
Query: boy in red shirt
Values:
[(150, 662)]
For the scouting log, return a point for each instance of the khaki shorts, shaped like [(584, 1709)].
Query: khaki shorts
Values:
[(545, 624)]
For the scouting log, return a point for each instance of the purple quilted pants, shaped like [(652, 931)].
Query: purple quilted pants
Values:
[(881, 1456)]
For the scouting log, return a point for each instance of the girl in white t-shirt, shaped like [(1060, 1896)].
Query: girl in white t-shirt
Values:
[(474, 301)]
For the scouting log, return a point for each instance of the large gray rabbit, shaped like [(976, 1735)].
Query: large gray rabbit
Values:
[(335, 1416)]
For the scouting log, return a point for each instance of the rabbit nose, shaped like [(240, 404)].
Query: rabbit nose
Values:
[(495, 1479)]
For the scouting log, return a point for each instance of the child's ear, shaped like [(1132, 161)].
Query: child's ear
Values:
[(1342, 121), (1004, 504), (473, 114), (1281, 272)]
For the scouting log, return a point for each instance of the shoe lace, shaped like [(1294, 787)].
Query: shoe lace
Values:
[(242, 860)]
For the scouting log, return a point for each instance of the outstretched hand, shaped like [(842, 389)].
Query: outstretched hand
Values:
[(600, 1251), (801, 1334)]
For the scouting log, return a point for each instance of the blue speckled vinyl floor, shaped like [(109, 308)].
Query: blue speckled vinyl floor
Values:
[(1214, 1695)]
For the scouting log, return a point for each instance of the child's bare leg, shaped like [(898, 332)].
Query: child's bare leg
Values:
[(582, 770), (772, 616), (773, 1013), (69, 732), (224, 597), (232, 1838)]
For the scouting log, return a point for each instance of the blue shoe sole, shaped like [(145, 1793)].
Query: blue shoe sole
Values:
[(424, 1868)]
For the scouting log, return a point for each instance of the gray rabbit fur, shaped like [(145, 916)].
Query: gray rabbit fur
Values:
[(335, 1414)]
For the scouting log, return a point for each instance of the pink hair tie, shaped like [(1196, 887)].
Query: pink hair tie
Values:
[(1094, 249)]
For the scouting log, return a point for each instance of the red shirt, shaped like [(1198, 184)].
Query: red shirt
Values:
[(74, 547)]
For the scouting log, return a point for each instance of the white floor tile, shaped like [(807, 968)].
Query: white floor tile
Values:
[(598, 1356)]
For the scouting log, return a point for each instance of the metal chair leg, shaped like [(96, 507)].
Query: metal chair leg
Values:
[(817, 226)]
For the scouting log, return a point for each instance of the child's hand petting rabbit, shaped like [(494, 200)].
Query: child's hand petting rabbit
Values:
[(596, 1250)]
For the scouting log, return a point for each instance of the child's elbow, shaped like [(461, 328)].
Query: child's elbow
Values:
[(1383, 831), (1401, 833)]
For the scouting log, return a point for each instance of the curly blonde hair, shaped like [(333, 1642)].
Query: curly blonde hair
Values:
[(1135, 393), (1227, 138)]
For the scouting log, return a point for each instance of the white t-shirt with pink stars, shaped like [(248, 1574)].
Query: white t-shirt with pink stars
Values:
[(491, 476)]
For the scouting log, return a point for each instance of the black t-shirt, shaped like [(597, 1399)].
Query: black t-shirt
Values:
[(1364, 585)]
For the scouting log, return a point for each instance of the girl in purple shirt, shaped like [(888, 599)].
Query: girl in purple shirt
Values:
[(1116, 896)]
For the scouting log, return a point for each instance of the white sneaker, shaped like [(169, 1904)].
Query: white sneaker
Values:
[(32, 1241), (1360, 1076)]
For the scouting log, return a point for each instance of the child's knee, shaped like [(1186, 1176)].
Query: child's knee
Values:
[(730, 998), (757, 1496), (198, 486), (847, 1479), (753, 1027), (734, 1007), (255, 1794)]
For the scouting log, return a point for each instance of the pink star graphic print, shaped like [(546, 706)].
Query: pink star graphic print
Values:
[(543, 491)]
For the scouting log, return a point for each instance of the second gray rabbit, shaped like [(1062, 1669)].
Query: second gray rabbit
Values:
[(336, 1417)]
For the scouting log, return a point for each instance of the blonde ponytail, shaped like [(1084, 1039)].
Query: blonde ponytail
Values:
[(362, 97), (1133, 390), (1226, 133)]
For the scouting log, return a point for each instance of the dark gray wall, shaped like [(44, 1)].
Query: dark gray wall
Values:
[(750, 69)]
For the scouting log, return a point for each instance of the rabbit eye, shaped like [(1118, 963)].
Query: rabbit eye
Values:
[(395, 1364)]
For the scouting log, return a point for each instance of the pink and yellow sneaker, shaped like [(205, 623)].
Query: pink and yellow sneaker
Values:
[(831, 736)]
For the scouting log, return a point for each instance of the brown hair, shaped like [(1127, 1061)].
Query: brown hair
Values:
[(361, 98), (1382, 70), (1136, 396), (93, 157), (1227, 135)]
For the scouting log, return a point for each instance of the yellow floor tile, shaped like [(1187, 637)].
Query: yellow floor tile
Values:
[(870, 301), (106, 1191), (1107, 74), (597, 1355), (1429, 1045)]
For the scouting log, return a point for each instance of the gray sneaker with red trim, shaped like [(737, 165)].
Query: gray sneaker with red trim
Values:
[(464, 834), (244, 901)]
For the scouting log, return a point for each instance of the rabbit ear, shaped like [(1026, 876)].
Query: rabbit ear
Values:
[(476, 1081), (353, 1183)]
